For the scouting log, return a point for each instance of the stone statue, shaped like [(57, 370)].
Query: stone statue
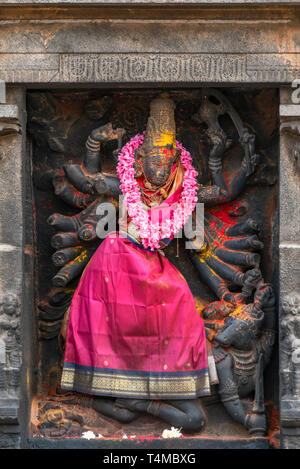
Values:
[(239, 327), (290, 345), (10, 356)]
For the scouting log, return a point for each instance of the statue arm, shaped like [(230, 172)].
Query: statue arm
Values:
[(229, 191), (209, 113), (82, 186), (88, 177)]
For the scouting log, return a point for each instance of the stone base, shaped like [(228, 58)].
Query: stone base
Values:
[(9, 410), (151, 443), (10, 437), (290, 412)]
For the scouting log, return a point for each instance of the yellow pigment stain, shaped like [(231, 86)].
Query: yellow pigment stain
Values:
[(28, 379), (164, 139), (205, 252), (239, 313), (82, 256), (199, 305)]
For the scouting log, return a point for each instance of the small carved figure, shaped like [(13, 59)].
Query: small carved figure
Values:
[(9, 304), (290, 346), (242, 342), (2, 365), (10, 359)]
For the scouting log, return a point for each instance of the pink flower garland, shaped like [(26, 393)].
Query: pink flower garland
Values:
[(150, 232)]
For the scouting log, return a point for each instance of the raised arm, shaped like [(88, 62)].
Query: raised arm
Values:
[(221, 192), (88, 177)]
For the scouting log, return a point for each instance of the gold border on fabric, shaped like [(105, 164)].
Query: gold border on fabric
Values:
[(123, 385)]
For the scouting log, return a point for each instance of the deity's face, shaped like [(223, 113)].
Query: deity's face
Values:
[(157, 164), (8, 304)]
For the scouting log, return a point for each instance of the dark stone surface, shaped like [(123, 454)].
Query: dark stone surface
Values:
[(47, 122)]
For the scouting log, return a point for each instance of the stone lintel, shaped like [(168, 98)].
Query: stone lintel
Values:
[(145, 68)]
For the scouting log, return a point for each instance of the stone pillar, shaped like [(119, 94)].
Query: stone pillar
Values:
[(289, 252), (12, 151)]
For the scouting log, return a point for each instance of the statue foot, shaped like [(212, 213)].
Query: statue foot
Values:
[(134, 405), (256, 424), (110, 408), (185, 414)]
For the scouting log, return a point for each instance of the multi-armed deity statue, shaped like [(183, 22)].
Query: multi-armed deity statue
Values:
[(132, 336)]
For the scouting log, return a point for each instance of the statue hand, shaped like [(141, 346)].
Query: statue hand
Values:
[(78, 178), (251, 158), (231, 298), (253, 162), (106, 133), (264, 295), (247, 140), (100, 184), (219, 144)]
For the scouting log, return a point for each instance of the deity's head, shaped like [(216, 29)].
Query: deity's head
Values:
[(156, 156), (290, 304), (8, 304)]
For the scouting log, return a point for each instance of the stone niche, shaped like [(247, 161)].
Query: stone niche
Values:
[(59, 123)]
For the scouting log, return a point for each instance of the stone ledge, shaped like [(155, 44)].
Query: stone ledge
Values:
[(155, 443), (148, 2), (9, 408), (290, 413)]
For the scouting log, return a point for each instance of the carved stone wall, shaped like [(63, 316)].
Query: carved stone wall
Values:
[(60, 123), (290, 268), (189, 45), (12, 146)]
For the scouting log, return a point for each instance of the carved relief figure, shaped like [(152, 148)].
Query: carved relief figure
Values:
[(290, 345), (10, 359), (147, 343), (132, 336)]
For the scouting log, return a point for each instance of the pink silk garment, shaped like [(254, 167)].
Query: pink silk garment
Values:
[(133, 329)]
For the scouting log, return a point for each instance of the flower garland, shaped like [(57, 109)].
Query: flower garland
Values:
[(151, 232)]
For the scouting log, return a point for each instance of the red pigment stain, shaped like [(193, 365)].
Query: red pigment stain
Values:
[(222, 212), (274, 426)]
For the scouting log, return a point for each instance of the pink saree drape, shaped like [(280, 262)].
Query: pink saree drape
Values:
[(133, 329)]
